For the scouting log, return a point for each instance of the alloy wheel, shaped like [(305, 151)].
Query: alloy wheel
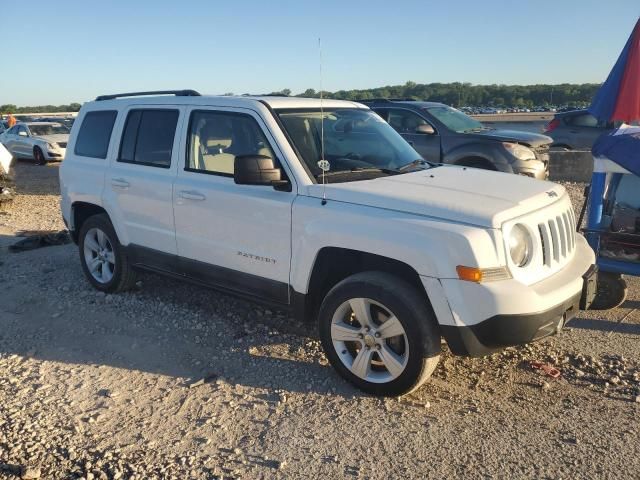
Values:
[(99, 255), (369, 340)]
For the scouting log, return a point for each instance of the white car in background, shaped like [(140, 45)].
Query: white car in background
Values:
[(42, 141)]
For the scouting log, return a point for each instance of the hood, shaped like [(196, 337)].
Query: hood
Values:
[(59, 137), (527, 138), (463, 195)]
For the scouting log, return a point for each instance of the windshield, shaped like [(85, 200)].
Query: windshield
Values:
[(354, 140), (53, 129), (454, 119)]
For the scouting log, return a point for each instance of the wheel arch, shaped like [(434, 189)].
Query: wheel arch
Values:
[(80, 212), (334, 264)]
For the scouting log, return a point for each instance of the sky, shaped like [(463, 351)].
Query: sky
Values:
[(71, 51)]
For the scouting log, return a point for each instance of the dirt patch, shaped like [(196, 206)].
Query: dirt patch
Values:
[(176, 381)]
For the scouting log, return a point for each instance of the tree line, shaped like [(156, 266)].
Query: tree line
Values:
[(467, 94), (10, 108), (457, 94)]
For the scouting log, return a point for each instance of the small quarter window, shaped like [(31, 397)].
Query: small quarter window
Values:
[(148, 137), (95, 133)]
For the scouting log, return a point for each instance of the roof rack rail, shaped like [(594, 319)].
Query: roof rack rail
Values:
[(385, 100), (177, 93)]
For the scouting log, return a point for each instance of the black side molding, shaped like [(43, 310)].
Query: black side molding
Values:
[(220, 278)]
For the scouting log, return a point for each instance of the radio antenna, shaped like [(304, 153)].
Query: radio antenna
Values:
[(324, 165)]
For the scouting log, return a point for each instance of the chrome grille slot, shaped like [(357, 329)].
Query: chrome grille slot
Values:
[(555, 241), (569, 231), (546, 244), (563, 236)]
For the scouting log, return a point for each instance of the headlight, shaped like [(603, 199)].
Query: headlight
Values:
[(52, 146), (520, 151), (520, 245)]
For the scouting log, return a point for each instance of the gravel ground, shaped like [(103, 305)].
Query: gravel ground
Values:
[(177, 381)]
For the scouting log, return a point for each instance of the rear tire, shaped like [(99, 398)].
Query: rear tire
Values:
[(379, 333), (104, 261), (38, 156)]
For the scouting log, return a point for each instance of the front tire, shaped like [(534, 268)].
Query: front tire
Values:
[(379, 333), (38, 156), (104, 261)]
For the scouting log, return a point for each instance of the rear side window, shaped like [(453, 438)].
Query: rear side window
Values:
[(95, 133), (585, 120), (148, 137)]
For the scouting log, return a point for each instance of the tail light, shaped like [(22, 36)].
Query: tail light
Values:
[(552, 125)]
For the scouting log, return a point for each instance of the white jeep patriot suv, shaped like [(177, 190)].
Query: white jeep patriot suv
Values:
[(326, 210)]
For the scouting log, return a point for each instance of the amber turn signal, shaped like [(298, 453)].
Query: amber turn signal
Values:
[(470, 274)]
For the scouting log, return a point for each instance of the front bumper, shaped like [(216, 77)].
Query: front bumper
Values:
[(502, 331), (55, 154), (479, 318)]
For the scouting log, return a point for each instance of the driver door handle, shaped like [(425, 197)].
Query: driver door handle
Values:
[(119, 183), (192, 195)]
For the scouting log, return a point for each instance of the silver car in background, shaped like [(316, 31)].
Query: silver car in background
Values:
[(41, 141), (576, 130)]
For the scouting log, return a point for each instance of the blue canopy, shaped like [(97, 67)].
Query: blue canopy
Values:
[(621, 147), (619, 96)]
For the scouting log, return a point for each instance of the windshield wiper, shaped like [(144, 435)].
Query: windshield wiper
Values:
[(416, 163), (388, 171)]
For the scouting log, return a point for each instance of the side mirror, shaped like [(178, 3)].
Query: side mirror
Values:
[(425, 129), (22, 133), (258, 170)]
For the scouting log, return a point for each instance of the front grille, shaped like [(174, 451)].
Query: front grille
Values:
[(62, 144), (558, 238)]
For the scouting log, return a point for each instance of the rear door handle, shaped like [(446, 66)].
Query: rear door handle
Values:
[(119, 183), (191, 195)]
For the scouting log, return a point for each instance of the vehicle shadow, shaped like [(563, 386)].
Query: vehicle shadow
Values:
[(604, 325), (191, 334)]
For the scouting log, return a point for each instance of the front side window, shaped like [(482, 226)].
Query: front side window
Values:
[(217, 138), (357, 143), (454, 119), (53, 129), (148, 137), (95, 133), (405, 121)]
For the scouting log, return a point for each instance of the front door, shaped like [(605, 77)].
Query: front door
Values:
[(232, 236), (406, 123), (21, 144)]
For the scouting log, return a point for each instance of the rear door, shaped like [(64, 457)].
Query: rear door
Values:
[(139, 184), (406, 122), (236, 237)]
